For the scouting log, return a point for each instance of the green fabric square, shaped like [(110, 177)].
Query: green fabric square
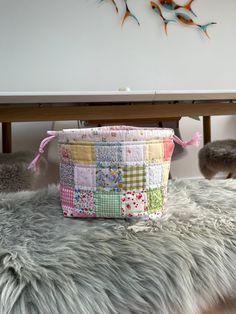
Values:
[(134, 178), (155, 200), (108, 204)]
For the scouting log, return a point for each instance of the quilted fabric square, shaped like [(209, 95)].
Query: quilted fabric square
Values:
[(85, 177), (154, 176), (166, 171), (155, 200), (133, 204), (83, 154), (134, 153), (168, 149), (67, 175), (108, 204), (65, 153), (156, 152), (109, 178), (67, 197), (108, 153), (84, 203), (134, 178)]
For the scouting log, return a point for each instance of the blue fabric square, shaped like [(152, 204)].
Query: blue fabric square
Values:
[(109, 178), (106, 153)]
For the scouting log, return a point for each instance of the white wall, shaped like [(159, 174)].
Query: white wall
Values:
[(80, 45)]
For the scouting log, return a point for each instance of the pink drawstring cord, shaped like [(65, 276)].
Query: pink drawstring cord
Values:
[(195, 140), (34, 165)]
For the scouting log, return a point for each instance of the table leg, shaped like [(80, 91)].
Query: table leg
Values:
[(207, 129), (6, 137)]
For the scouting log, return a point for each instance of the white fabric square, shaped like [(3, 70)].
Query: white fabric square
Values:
[(154, 176), (85, 177), (134, 153)]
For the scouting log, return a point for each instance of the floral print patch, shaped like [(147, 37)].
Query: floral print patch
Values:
[(108, 153), (84, 202), (67, 174), (65, 153), (109, 179), (133, 204)]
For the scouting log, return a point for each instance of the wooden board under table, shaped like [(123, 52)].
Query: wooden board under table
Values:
[(117, 107)]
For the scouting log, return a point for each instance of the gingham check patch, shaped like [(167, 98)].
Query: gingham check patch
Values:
[(134, 178), (67, 197), (108, 204)]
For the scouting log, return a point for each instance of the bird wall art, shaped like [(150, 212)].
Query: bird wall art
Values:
[(182, 14)]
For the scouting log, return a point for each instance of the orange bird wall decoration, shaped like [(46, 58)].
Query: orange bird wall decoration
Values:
[(182, 14)]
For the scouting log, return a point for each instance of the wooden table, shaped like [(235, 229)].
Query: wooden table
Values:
[(118, 107)]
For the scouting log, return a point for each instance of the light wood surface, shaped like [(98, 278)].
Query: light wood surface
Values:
[(114, 112)]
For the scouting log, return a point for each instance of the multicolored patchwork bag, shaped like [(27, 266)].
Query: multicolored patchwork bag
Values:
[(114, 172)]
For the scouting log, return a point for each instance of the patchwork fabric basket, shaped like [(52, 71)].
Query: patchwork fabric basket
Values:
[(113, 172)]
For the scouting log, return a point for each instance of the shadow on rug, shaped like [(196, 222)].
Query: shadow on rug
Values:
[(182, 264)]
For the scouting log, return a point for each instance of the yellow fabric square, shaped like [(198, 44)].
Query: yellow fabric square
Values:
[(156, 152), (83, 154), (166, 171)]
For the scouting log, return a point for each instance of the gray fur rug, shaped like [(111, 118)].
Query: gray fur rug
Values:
[(14, 173), (181, 264)]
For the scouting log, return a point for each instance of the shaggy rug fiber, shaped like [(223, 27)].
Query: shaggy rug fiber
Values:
[(14, 173), (181, 264)]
